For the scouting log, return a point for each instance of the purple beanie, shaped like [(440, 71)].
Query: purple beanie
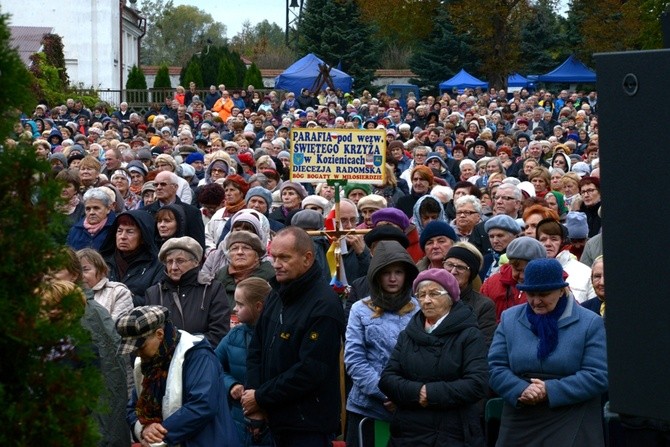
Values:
[(393, 215), (443, 278)]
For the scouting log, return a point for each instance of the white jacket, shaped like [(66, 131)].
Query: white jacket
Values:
[(579, 276)]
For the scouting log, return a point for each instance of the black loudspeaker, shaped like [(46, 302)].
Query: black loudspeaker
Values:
[(634, 119)]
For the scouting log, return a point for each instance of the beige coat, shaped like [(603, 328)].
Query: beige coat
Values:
[(114, 296)]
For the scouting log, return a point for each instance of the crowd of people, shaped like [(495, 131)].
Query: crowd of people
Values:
[(480, 273)]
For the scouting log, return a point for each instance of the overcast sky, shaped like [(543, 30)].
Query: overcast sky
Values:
[(233, 13)]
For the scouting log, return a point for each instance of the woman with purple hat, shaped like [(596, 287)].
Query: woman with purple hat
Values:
[(548, 362), (437, 371)]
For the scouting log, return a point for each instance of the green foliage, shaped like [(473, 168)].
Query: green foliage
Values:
[(45, 402), (163, 78), (53, 51), (137, 81), (542, 40), (226, 74), (442, 55), (253, 77), (175, 33), (193, 73), (336, 33)]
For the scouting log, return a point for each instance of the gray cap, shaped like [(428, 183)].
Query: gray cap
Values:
[(526, 248)]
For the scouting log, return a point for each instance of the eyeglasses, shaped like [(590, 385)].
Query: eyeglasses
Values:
[(179, 261), (589, 191), (504, 198), (162, 184), (451, 267), (432, 294), (466, 213)]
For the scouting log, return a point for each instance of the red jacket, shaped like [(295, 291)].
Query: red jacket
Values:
[(501, 288)]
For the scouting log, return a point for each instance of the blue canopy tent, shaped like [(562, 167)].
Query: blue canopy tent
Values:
[(462, 80), (516, 80), (571, 71), (303, 74)]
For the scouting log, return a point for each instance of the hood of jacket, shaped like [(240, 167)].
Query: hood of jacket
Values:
[(180, 215), (146, 224), (416, 218), (387, 253), (567, 160), (460, 317)]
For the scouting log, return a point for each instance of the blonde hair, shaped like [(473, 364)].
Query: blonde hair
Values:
[(255, 289)]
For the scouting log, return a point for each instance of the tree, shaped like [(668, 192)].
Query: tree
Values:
[(336, 33), (163, 78), (608, 25), (400, 22), (45, 401), (253, 77), (442, 55), (193, 73), (496, 39), (52, 45), (174, 34), (541, 39), (137, 81)]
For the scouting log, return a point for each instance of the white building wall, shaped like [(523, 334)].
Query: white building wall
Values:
[(90, 32)]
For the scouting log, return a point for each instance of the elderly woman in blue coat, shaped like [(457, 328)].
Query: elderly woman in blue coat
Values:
[(548, 362)]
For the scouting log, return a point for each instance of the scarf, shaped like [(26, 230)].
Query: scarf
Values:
[(545, 327), (136, 189), (69, 207), (154, 380), (390, 302), (93, 229), (233, 208), (123, 261)]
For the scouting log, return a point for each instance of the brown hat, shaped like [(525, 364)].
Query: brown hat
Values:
[(181, 243), (248, 238)]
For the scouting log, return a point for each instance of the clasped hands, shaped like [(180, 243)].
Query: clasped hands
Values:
[(535, 393)]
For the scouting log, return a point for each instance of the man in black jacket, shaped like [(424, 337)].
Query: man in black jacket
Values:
[(293, 360)]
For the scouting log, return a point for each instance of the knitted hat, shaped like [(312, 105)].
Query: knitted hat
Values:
[(577, 226), (144, 154), (195, 156), (248, 216), (137, 166), (185, 243), (260, 192), (187, 170), (238, 182), (441, 277), (542, 275), (120, 173), (526, 248), (247, 159), (308, 220), (248, 238), (468, 257), (581, 168), (434, 229), (148, 186), (373, 201), (165, 158), (297, 187), (60, 157), (502, 222), (315, 200), (386, 233), (138, 324), (351, 186), (283, 154), (391, 215)]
